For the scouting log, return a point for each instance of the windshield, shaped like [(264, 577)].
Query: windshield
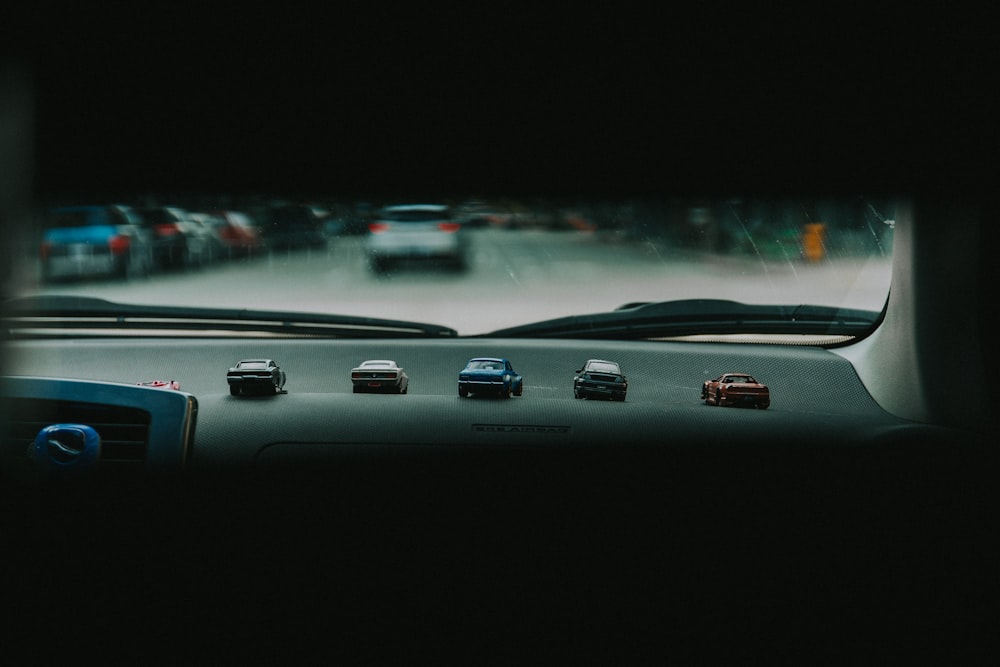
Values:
[(156, 216), (252, 365), (413, 214), (509, 262), (485, 364), (77, 217)]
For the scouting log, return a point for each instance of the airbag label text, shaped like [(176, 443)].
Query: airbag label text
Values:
[(519, 428)]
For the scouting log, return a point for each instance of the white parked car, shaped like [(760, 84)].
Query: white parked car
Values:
[(424, 232)]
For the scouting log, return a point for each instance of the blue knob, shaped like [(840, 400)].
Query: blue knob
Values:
[(67, 448)]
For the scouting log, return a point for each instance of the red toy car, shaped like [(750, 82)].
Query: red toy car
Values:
[(736, 389), (166, 384)]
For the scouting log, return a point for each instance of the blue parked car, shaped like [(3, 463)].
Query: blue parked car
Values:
[(80, 241), (490, 375)]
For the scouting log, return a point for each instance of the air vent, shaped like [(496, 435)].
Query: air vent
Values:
[(124, 431)]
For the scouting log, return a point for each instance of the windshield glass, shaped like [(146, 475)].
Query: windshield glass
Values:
[(76, 217), (252, 365), (498, 263), (414, 214)]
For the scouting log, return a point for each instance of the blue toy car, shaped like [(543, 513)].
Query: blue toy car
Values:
[(490, 375)]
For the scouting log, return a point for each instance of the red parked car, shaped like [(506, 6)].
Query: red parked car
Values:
[(237, 233), (736, 389)]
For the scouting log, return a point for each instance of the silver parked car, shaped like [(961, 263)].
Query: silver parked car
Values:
[(179, 239), (415, 232)]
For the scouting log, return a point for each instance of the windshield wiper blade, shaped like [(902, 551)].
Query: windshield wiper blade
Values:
[(56, 312), (700, 316)]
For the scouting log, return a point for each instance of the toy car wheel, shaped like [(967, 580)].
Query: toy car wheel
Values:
[(356, 389), (718, 398), (520, 390), (463, 392), (506, 392), (234, 390)]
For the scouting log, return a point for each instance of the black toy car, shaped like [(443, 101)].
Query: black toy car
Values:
[(600, 379), (255, 376)]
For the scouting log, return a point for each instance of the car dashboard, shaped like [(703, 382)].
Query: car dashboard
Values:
[(818, 396), (497, 518)]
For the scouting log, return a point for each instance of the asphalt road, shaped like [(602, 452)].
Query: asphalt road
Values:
[(513, 277)]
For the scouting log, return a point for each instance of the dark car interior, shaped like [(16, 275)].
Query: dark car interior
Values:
[(853, 517)]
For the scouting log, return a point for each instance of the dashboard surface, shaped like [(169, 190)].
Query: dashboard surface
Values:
[(817, 396)]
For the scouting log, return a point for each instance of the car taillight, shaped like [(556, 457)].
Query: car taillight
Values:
[(166, 229), (378, 227), (356, 376), (448, 226), (45, 249), (119, 244)]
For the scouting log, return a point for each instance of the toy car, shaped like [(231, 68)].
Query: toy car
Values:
[(736, 389), (379, 375), (600, 379), (490, 375), (255, 376), (166, 384)]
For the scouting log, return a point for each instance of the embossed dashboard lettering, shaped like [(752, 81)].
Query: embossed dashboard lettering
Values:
[(519, 428)]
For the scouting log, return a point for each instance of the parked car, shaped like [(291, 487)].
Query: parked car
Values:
[(235, 233), (488, 375), (600, 379), (94, 241), (179, 240), (379, 375), (415, 232), (255, 376), (207, 224), (291, 226), (736, 389)]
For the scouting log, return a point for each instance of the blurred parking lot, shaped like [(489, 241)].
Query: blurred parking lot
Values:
[(524, 264)]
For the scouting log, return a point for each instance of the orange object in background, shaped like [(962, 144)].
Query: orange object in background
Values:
[(812, 241)]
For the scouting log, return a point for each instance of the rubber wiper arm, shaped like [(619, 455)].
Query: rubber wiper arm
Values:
[(91, 312), (699, 316)]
